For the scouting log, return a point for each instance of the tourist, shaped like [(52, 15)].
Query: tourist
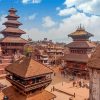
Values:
[(80, 84), (74, 83), (53, 88), (62, 83), (74, 95)]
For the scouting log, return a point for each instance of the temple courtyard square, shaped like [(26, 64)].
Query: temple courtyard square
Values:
[(63, 87), (62, 83)]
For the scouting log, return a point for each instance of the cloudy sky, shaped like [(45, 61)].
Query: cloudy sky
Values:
[(54, 19)]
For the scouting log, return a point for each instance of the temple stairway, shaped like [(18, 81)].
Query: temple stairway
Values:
[(4, 61)]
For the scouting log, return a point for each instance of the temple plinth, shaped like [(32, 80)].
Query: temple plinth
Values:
[(29, 79), (12, 42)]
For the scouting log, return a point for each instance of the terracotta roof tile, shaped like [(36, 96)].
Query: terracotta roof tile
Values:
[(13, 30), (77, 57), (94, 61), (12, 22), (27, 67), (81, 44), (13, 40), (10, 16), (80, 32), (14, 95), (12, 9)]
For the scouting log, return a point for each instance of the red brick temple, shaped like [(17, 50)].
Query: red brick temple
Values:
[(29, 79), (80, 52), (12, 42)]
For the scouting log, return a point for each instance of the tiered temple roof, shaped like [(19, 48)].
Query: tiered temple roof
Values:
[(80, 34), (81, 47), (81, 44), (12, 41), (12, 28), (12, 24)]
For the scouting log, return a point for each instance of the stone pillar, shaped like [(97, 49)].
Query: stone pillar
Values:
[(94, 84)]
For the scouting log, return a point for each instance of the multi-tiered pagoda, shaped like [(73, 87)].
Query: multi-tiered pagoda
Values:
[(29, 79), (12, 42), (80, 51)]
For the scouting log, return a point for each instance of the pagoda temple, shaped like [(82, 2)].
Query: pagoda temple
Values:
[(12, 42), (80, 51), (29, 78)]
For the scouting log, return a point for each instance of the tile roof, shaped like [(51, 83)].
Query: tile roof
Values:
[(14, 95), (12, 9), (94, 61), (26, 67), (81, 44), (13, 40), (77, 57), (12, 15), (80, 31), (12, 22), (13, 30)]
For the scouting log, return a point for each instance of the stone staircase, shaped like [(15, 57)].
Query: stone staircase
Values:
[(4, 61)]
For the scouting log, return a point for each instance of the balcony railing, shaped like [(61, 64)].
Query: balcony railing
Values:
[(44, 58), (31, 85)]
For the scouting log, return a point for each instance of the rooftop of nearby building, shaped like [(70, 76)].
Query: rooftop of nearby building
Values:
[(26, 67), (14, 95)]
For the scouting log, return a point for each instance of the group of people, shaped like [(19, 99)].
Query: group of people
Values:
[(52, 89), (79, 83)]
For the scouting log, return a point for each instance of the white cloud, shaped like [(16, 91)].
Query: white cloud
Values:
[(2, 20), (67, 11), (48, 22), (36, 1), (31, 1), (32, 17), (67, 26), (89, 6), (34, 33), (59, 31), (25, 1), (58, 8)]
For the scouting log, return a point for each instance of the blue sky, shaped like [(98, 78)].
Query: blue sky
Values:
[(54, 19)]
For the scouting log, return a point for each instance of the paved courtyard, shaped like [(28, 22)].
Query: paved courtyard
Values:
[(63, 84)]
